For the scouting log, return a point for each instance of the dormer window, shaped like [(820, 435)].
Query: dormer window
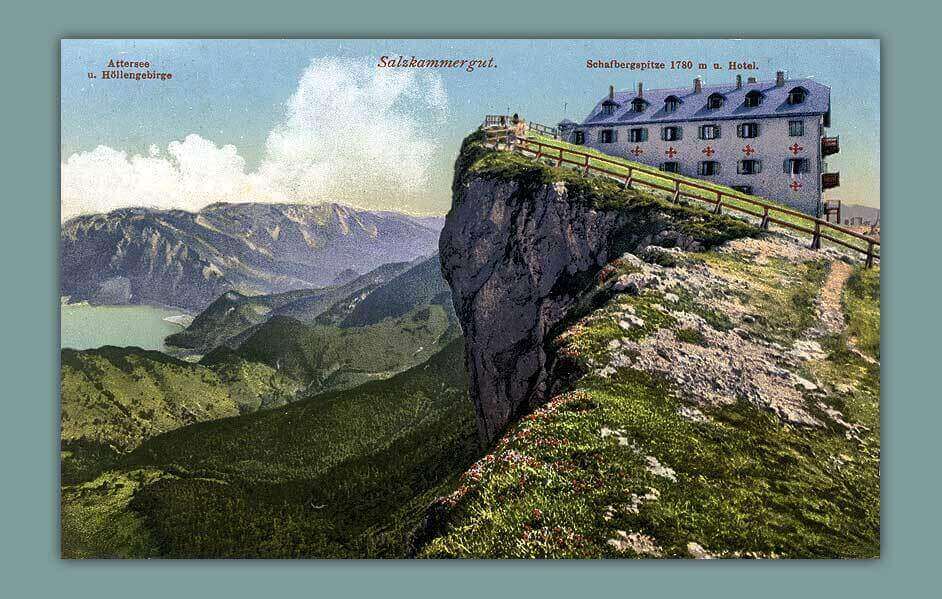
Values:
[(608, 107), (715, 101), (753, 99), (638, 104), (671, 104), (797, 95)]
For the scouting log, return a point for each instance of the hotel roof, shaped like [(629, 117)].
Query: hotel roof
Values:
[(693, 105)]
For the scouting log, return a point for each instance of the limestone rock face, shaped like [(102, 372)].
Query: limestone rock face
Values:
[(517, 254)]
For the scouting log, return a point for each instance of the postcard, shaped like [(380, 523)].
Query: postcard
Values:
[(470, 298)]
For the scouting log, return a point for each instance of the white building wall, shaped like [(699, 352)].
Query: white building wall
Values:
[(772, 147)]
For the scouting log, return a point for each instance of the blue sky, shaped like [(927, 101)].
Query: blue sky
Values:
[(316, 120)]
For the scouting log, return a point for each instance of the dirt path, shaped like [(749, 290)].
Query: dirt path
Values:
[(830, 311)]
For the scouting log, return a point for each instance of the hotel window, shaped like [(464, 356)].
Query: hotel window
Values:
[(638, 134), (708, 168), (795, 166), (753, 99), (747, 130), (671, 104), (796, 128), (746, 189), (578, 137), (709, 131), (797, 95), (715, 101), (608, 107), (672, 133), (670, 167), (608, 136), (638, 104), (749, 167)]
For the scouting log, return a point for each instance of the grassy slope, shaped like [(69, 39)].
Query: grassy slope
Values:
[(555, 487), (330, 357), (862, 309), (694, 191), (114, 398), (120, 396), (340, 475)]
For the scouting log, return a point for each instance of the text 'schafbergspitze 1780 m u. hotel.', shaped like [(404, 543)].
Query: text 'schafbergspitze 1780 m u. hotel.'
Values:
[(760, 137)]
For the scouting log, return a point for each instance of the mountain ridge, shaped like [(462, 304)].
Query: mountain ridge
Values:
[(187, 259)]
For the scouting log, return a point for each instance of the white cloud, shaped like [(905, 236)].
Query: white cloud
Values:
[(351, 133)]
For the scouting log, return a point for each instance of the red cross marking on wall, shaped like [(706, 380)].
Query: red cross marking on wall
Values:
[(709, 151), (637, 151), (671, 152), (748, 150), (796, 148), (795, 185)]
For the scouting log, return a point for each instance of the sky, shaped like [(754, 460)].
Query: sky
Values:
[(319, 120)]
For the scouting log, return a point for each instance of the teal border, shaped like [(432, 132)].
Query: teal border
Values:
[(911, 416)]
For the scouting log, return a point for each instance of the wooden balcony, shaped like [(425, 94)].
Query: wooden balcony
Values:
[(830, 180), (832, 208), (830, 145)]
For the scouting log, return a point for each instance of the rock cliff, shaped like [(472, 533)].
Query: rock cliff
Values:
[(520, 245)]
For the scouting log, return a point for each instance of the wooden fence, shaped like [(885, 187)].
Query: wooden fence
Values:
[(681, 187)]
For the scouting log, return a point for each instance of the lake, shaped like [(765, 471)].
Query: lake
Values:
[(85, 326)]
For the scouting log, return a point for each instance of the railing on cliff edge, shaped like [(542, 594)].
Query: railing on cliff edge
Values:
[(503, 121), (679, 187)]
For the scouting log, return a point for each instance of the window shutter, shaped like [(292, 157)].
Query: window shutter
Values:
[(614, 135), (739, 130), (739, 167), (644, 134), (756, 125), (785, 166), (716, 168), (716, 131), (758, 166), (663, 133), (680, 133)]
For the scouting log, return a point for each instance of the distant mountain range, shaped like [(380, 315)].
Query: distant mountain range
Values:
[(867, 214), (189, 259)]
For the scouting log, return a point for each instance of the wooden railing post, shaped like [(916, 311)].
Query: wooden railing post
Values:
[(816, 239), (585, 171), (719, 204), (559, 161), (628, 180), (869, 263), (765, 219), (676, 190)]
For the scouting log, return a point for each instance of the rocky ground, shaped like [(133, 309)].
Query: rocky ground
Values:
[(723, 410)]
